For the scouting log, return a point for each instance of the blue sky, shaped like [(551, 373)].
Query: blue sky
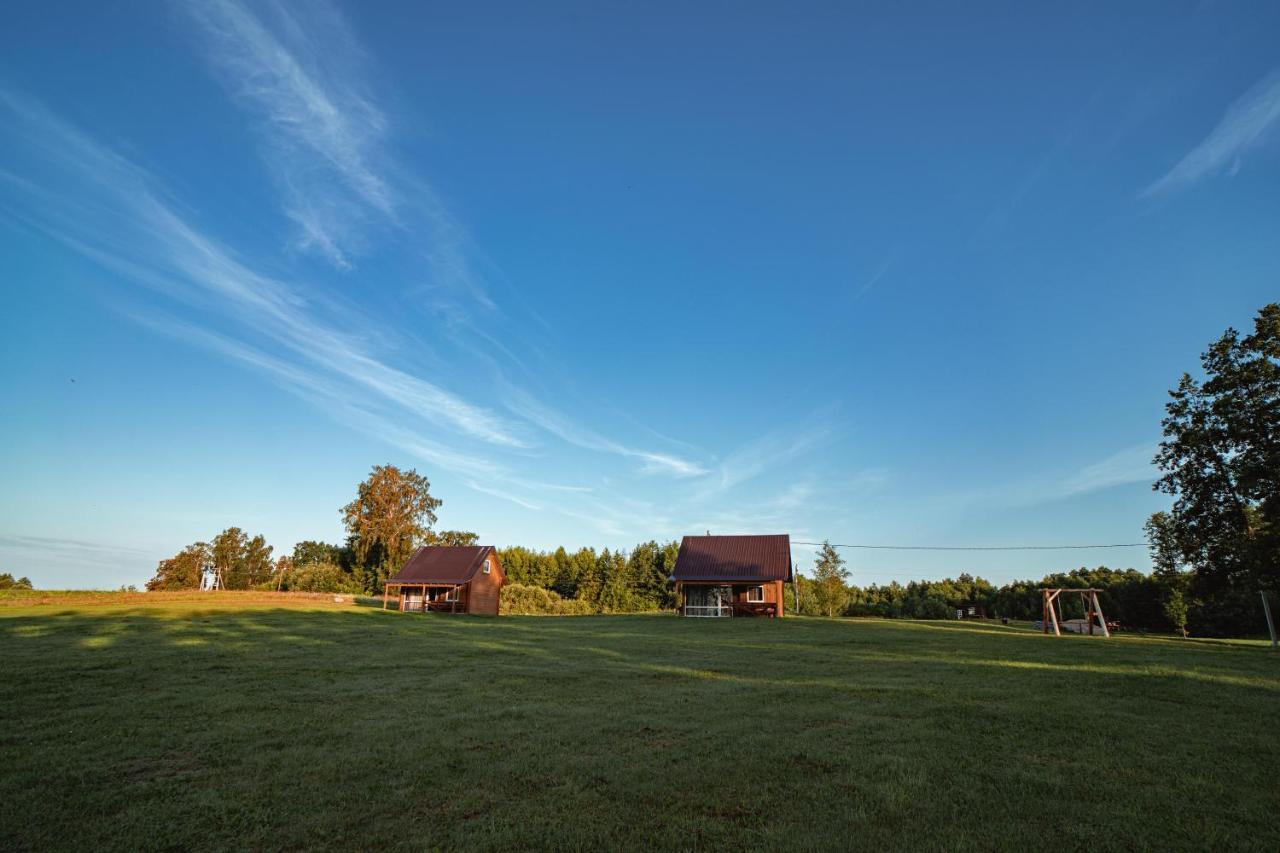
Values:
[(899, 274)]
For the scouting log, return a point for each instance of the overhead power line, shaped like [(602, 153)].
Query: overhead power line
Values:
[(977, 547)]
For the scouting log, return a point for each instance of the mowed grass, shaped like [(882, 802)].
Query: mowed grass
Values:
[(200, 724)]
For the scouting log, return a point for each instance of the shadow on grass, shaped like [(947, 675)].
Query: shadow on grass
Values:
[(814, 653), (363, 728)]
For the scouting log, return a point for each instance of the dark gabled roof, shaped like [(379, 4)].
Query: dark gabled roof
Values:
[(444, 564), (734, 558)]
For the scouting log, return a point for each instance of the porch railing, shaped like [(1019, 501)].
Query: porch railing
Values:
[(708, 610), (440, 605)]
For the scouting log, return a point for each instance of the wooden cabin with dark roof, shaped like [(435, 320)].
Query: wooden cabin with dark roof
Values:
[(449, 579), (732, 575)]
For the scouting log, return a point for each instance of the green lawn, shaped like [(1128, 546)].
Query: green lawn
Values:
[(257, 724)]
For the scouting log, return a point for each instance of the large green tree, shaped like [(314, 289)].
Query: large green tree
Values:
[(392, 514), (1220, 461), (183, 570), (240, 561), (314, 551)]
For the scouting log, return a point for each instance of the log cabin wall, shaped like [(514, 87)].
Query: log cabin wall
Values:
[(773, 593), (484, 590)]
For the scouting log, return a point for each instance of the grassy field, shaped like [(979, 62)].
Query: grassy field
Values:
[(273, 723)]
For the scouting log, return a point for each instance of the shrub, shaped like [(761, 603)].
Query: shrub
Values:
[(321, 577), (520, 600)]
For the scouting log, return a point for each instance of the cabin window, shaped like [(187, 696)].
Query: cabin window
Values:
[(451, 595), (487, 566), (755, 593)]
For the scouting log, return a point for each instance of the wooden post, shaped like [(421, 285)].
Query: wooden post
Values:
[(385, 590), (1097, 607), (1057, 629), (1271, 626)]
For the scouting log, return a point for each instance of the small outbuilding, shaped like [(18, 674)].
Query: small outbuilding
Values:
[(449, 579), (719, 576)]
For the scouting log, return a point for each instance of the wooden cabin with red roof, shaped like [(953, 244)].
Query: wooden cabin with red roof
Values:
[(449, 579), (732, 575)]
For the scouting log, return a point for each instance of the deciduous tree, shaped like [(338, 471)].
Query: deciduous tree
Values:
[(451, 537), (240, 561), (829, 576), (1220, 460), (185, 570), (392, 514), (313, 551), (8, 581)]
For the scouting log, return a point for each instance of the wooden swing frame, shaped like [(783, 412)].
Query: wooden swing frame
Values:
[(1093, 610)]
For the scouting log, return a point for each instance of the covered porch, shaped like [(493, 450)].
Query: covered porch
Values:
[(426, 597), (715, 599)]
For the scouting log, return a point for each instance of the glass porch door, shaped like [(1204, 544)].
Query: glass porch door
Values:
[(708, 601)]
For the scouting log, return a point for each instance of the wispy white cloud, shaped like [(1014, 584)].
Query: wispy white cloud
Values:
[(874, 279), (326, 392), (304, 80), (653, 462), (97, 552), (323, 134), (603, 522), (1248, 122), (487, 489), (106, 208), (325, 140), (481, 474), (145, 239), (756, 457), (1131, 465), (94, 565)]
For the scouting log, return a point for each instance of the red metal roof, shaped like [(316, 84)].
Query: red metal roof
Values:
[(734, 558), (443, 564)]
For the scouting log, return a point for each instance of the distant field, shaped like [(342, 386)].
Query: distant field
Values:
[(268, 722), (80, 597)]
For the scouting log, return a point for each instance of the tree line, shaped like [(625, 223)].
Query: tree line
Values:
[(8, 581), (391, 516), (1137, 600), (1215, 548)]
